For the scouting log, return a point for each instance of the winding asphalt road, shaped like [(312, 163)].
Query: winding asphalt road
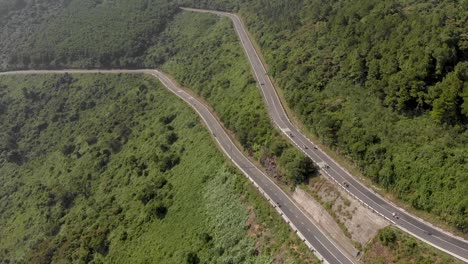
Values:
[(312, 236), (455, 246), (322, 246)]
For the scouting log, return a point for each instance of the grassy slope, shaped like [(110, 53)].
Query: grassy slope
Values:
[(91, 183), (393, 246)]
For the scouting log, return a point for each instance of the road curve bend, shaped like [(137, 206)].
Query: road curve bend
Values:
[(451, 244)]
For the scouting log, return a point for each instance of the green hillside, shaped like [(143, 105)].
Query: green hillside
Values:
[(115, 169), (381, 82)]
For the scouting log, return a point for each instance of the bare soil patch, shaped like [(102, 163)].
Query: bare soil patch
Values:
[(357, 221), (324, 221)]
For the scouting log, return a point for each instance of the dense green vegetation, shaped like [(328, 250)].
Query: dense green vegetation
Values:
[(19, 19), (203, 53), (115, 169), (384, 83), (393, 246), (86, 33)]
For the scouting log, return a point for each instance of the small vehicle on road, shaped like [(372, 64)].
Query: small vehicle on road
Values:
[(395, 215), (345, 184), (304, 146), (278, 204), (323, 165)]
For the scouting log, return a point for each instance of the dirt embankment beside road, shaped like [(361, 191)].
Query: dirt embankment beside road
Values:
[(346, 220)]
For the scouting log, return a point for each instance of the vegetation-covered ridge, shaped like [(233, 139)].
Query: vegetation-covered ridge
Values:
[(113, 168), (383, 83)]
